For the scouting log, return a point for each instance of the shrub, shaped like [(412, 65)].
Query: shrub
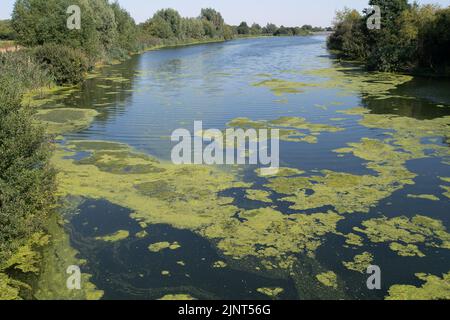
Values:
[(26, 180), (6, 30), (66, 65), (27, 73)]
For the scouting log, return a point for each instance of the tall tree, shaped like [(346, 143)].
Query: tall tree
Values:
[(214, 17), (243, 28)]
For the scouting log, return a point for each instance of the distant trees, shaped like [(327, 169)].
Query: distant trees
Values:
[(167, 24), (243, 28), (255, 29), (172, 19), (6, 30), (215, 18), (105, 26), (412, 37), (272, 30), (127, 31)]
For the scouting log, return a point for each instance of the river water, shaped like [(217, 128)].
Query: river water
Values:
[(377, 173)]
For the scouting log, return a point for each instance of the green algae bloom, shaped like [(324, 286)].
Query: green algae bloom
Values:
[(122, 162), (65, 120), (293, 129), (27, 258), (408, 250), (9, 288), (219, 265), (115, 237), (104, 177), (357, 111), (423, 196), (160, 246), (354, 240), (93, 145), (447, 191), (434, 288), (267, 233), (142, 234), (404, 234), (355, 80), (177, 297), (258, 195), (328, 279), (301, 123), (271, 292), (281, 172), (57, 256), (280, 87), (360, 262), (347, 193)]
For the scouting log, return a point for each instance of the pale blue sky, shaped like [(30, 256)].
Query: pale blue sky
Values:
[(286, 12)]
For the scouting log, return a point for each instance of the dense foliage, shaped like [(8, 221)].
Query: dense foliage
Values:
[(273, 30), (6, 30), (64, 64), (411, 38), (26, 180), (105, 28)]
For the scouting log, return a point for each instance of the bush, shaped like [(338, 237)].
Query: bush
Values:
[(66, 65), (412, 38), (26, 180), (27, 73), (96, 37), (6, 30)]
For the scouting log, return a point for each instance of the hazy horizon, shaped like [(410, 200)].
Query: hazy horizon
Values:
[(283, 12)]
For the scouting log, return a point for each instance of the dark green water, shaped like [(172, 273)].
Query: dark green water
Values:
[(170, 89)]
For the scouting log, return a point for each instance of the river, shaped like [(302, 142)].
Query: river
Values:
[(365, 178)]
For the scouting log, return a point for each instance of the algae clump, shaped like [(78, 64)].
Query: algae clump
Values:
[(434, 288), (219, 265), (294, 129), (408, 250), (404, 234), (177, 297), (259, 195), (65, 120), (423, 196), (160, 246), (280, 87), (117, 236), (360, 262), (271, 292), (328, 279)]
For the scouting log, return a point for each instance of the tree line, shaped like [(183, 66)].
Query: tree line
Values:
[(413, 38), (108, 32)]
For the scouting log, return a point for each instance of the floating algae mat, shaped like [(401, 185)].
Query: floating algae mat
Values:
[(363, 180), (66, 119), (280, 87)]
